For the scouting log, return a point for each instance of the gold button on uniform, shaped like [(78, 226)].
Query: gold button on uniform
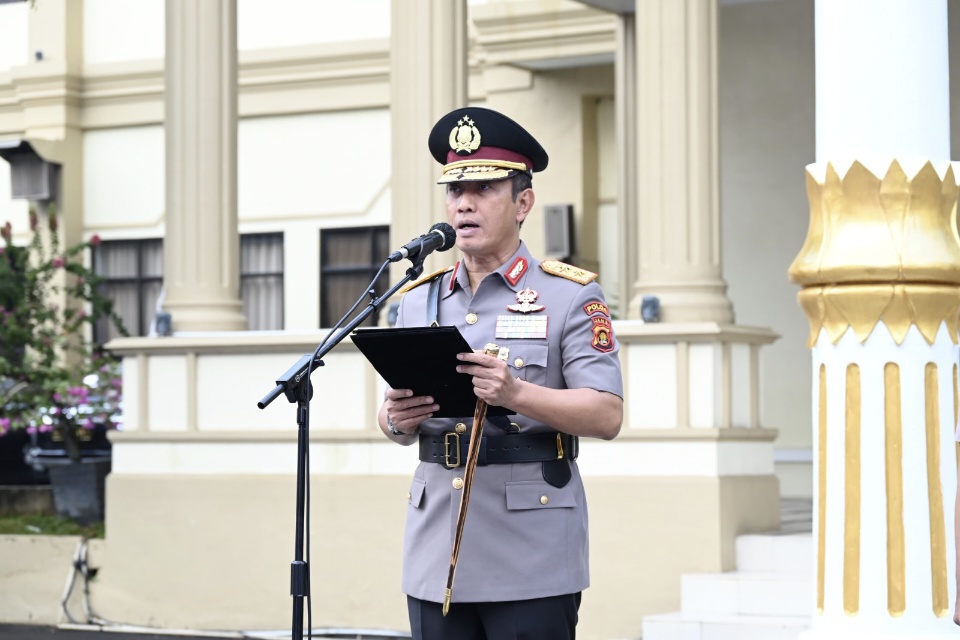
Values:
[(472, 318), (544, 499), (461, 428), (409, 497), (458, 483), (518, 363)]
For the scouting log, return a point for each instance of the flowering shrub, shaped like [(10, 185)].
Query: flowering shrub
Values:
[(53, 378)]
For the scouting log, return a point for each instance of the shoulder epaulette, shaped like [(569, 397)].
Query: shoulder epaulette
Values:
[(557, 268), (427, 278)]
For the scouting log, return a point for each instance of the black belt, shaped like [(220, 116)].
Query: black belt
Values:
[(450, 448)]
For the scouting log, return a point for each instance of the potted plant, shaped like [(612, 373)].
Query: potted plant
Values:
[(56, 384)]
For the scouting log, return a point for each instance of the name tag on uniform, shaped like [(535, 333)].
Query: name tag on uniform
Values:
[(515, 326)]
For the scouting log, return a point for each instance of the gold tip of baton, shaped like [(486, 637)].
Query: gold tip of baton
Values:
[(446, 601)]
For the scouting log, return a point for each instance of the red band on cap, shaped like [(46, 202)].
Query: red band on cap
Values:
[(491, 153)]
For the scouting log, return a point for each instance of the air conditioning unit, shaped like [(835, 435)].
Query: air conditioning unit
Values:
[(31, 177), (558, 230)]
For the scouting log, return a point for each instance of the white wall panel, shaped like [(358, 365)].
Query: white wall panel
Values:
[(264, 24), (766, 91), (123, 178), (740, 386), (168, 393), (119, 30), (653, 386), (14, 45), (705, 387), (317, 164)]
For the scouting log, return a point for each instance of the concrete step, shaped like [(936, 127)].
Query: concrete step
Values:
[(787, 554), (742, 593), (676, 626), (768, 597)]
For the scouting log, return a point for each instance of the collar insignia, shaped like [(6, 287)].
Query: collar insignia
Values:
[(526, 298), (464, 138), (516, 271), (453, 278)]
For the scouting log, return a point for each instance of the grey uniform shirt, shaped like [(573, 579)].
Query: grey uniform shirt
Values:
[(524, 538)]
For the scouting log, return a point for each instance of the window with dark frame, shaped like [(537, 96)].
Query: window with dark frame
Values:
[(132, 272), (349, 259), (261, 280)]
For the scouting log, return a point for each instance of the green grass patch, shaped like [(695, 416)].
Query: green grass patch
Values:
[(48, 525)]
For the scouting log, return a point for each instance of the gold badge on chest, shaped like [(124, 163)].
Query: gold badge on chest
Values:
[(525, 300)]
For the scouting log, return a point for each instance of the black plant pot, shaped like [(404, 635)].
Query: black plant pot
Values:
[(14, 470), (78, 488)]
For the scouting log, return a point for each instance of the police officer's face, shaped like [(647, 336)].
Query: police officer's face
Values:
[(486, 217)]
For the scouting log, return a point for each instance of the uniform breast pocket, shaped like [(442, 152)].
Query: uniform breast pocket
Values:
[(529, 362), (536, 495)]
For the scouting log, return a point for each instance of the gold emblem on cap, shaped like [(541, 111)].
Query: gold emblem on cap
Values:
[(464, 138)]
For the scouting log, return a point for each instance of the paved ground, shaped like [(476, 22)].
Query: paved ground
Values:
[(29, 632)]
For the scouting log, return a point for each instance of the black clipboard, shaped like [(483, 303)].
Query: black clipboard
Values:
[(423, 359)]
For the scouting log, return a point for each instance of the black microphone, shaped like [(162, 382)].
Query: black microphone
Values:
[(440, 238)]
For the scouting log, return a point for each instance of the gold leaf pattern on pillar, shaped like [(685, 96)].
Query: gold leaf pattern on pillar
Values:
[(893, 471), (938, 536), (851, 502), (880, 250)]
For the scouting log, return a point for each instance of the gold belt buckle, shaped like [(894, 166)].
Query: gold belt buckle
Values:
[(447, 437)]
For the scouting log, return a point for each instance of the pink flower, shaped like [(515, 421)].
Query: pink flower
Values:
[(57, 262), (94, 240)]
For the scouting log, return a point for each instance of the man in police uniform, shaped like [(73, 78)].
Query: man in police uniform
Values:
[(523, 558)]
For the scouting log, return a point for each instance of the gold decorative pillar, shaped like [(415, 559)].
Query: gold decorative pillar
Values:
[(880, 271), (201, 243), (428, 78)]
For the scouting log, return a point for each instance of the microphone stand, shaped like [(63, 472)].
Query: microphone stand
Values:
[(295, 385)]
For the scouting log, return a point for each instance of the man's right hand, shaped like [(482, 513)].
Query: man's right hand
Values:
[(405, 410)]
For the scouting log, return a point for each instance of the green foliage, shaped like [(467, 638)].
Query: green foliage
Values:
[(52, 376), (48, 525)]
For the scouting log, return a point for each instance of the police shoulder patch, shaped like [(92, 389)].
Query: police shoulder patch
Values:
[(427, 278), (557, 268)]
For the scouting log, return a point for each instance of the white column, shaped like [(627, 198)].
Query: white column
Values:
[(626, 115), (880, 269), (428, 52), (201, 244), (677, 173), (882, 82)]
